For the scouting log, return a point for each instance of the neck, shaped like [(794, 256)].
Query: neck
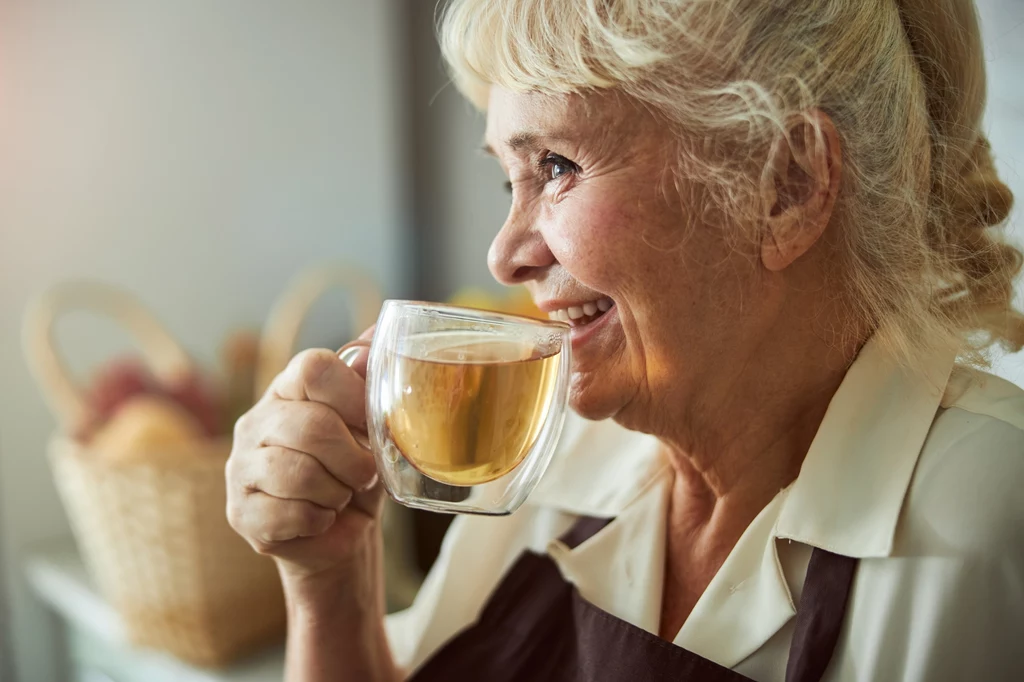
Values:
[(733, 449), (744, 437), (752, 444)]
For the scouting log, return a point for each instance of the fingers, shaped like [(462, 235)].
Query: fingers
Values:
[(266, 520), (295, 465), (292, 475), (320, 376), (316, 430), (369, 502)]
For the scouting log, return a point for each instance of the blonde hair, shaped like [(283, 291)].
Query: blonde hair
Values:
[(903, 80)]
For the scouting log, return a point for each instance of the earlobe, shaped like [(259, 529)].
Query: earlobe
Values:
[(787, 238), (799, 189)]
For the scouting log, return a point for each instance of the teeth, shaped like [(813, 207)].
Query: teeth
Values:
[(578, 312)]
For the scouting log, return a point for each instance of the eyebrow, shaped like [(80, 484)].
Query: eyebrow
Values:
[(520, 141)]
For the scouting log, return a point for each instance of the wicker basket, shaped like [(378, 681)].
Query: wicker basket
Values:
[(155, 539), (153, 533)]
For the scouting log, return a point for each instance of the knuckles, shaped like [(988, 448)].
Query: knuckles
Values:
[(310, 367), (320, 423)]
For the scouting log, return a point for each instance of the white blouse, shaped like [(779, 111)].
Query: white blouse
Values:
[(919, 476)]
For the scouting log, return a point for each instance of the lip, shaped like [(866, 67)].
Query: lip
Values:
[(580, 335), (561, 304)]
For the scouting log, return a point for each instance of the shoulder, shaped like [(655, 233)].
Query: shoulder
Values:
[(983, 394), (979, 425), (966, 486), (948, 603)]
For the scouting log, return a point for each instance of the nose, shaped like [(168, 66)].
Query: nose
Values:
[(519, 252)]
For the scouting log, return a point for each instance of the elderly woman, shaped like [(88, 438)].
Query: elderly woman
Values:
[(768, 225)]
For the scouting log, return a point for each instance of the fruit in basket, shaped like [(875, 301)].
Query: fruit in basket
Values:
[(145, 426), (195, 395), (116, 383), (123, 381)]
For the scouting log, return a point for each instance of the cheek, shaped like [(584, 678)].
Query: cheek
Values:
[(594, 239)]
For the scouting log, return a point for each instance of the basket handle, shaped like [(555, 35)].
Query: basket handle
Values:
[(281, 331), (163, 354)]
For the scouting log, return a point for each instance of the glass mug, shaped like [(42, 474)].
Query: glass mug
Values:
[(463, 407)]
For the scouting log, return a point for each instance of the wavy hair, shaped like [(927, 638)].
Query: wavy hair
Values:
[(903, 80)]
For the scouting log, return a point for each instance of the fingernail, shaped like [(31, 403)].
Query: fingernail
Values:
[(368, 486)]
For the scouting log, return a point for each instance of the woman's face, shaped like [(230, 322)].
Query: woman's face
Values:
[(601, 231)]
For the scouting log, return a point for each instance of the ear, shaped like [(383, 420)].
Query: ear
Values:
[(799, 189)]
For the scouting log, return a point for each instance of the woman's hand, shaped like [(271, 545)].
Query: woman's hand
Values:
[(303, 489)]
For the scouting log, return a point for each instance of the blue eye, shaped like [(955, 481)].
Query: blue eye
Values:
[(556, 166)]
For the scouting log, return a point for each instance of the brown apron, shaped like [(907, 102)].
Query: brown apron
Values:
[(537, 628)]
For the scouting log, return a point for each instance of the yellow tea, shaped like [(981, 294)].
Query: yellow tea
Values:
[(466, 409)]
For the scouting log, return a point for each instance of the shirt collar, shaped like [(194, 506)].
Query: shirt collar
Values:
[(621, 570), (625, 583), (847, 499), (848, 496)]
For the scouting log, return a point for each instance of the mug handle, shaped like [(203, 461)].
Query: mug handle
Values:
[(350, 351), (348, 354)]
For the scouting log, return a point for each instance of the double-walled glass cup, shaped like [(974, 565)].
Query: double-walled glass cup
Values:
[(464, 407)]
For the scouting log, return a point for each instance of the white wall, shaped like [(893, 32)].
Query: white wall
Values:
[(198, 152), (459, 192), (1003, 26), (472, 200)]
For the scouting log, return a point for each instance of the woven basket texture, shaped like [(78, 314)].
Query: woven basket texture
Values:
[(155, 538)]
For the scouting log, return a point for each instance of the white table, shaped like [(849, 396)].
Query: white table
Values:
[(98, 647)]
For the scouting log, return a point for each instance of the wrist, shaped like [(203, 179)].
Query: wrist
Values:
[(335, 596), (328, 640)]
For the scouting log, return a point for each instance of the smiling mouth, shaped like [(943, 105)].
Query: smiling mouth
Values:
[(583, 314)]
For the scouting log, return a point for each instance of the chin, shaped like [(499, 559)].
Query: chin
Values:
[(594, 402)]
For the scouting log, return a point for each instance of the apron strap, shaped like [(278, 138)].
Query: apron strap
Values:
[(819, 618), (585, 528)]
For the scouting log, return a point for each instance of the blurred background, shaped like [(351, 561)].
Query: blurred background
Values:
[(203, 153)]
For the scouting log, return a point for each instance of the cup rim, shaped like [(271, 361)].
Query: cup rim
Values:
[(477, 314)]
